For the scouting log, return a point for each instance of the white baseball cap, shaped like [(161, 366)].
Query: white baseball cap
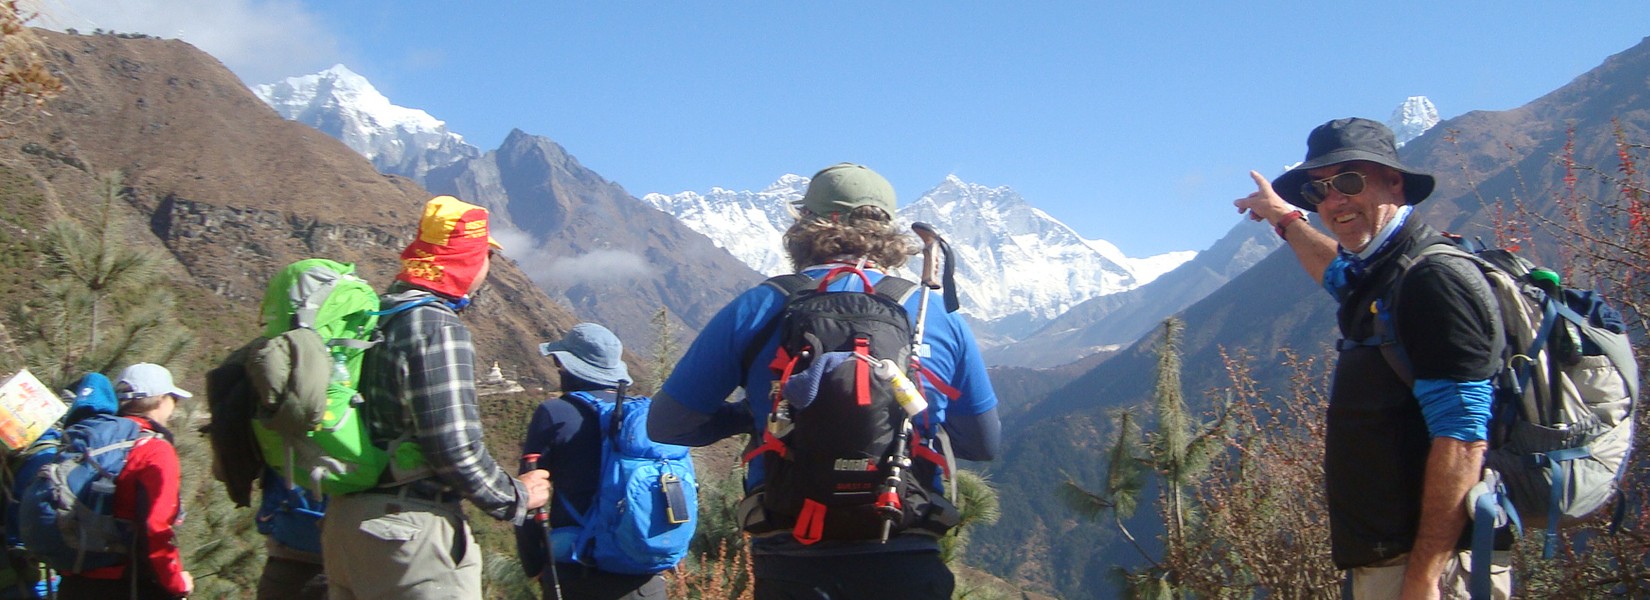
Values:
[(143, 380)]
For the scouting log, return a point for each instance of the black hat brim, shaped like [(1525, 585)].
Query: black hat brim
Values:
[(1417, 186)]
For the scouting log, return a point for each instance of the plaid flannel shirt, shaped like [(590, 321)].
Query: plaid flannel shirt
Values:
[(422, 377)]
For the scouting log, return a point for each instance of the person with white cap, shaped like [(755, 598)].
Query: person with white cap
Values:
[(565, 438), (1401, 450), (147, 494)]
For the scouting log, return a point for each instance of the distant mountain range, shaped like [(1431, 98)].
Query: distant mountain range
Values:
[(1018, 268), (1038, 293), (584, 240), (1412, 118)]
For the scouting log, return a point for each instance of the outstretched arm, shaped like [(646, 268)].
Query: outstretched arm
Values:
[(1313, 248)]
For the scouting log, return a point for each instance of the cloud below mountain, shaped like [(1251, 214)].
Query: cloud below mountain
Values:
[(601, 266)]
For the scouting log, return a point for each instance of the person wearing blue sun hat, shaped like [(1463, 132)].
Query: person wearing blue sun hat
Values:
[(1409, 407)]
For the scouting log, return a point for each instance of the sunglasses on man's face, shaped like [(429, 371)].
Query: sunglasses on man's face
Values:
[(1348, 183)]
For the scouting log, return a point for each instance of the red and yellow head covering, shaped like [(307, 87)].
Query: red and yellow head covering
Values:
[(452, 246)]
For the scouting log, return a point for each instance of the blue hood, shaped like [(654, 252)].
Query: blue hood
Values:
[(93, 395)]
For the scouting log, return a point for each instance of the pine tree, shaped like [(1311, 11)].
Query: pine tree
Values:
[(103, 302), (1177, 452), (664, 349), (978, 500)]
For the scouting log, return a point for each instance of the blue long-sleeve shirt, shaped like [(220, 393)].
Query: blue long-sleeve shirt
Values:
[(692, 408)]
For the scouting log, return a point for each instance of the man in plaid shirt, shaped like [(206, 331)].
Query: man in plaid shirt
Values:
[(408, 537)]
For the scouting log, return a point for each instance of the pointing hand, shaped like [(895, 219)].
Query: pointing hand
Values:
[(1263, 204)]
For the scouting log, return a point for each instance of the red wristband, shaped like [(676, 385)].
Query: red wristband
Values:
[(1283, 224)]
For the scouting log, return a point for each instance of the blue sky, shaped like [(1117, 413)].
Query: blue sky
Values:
[(1133, 122)]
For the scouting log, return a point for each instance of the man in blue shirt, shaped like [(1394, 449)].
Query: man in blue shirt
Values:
[(846, 219)]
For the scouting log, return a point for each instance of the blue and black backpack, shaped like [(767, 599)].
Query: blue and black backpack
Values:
[(66, 517), (93, 395), (642, 517)]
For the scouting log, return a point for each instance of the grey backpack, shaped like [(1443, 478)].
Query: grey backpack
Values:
[(1561, 426)]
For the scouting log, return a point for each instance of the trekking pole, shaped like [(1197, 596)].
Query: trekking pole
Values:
[(541, 515), (888, 502)]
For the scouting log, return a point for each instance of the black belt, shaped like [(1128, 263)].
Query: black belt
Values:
[(427, 490)]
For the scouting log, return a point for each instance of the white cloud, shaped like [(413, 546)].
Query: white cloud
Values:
[(260, 40), (601, 266), (548, 269)]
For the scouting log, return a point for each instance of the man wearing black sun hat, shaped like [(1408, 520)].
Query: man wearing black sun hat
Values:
[(1402, 450)]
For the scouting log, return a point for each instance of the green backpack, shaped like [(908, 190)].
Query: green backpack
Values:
[(319, 319)]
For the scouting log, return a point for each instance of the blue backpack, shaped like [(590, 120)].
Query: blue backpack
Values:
[(290, 515), (66, 517), (643, 514)]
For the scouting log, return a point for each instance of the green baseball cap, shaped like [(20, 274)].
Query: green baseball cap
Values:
[(842, 187)]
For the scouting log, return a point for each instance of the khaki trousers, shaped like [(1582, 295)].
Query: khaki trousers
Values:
[(1385, 579), (379, 547)]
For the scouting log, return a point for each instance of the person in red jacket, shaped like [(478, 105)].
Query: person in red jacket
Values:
[(147, 495)]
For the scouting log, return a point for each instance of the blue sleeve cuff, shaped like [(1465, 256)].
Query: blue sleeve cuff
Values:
[(1455, 409)]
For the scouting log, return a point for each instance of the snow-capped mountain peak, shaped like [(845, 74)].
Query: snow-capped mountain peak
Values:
[(1016, 264), (344, 105), (788, 183), (749, 225), (1412, 118)]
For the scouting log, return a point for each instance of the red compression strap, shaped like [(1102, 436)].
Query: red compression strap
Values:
[(943, 387), (888, 498), (780, 359), (769, 444), (862, 371), (918, 450), (810, 525)]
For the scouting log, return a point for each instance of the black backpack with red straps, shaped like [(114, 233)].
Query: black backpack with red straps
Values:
[(841, 457)]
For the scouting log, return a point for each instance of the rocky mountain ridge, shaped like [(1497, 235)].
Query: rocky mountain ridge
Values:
[(230, 191)]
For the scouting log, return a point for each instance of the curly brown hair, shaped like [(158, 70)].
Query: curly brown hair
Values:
[(866, 232)]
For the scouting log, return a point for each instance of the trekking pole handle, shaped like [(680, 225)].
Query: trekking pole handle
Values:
[(530, 462), (930, 268)]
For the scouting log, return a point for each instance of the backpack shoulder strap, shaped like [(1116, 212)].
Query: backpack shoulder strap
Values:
[(1386, 333), (585, 398), (788, 285), (384, 318), (896, 289), (391, 312)]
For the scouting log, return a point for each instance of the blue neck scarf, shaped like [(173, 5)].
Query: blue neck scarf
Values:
[(1343, 274)]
